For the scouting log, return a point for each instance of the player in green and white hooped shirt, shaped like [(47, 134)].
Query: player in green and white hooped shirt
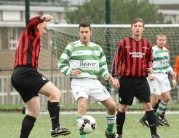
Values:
[(158, 81), (84, 61)]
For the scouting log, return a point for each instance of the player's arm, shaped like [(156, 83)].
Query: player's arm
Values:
[(116, 60), (63, 63), (149, 59), (103, 68), (115, 65), (32, 24)]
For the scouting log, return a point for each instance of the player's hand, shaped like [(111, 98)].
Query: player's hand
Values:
[(116, 83), (110, 79), (173, 74), (151, 78), (75, 72), (174, 82), (150, 70), (46, 18)]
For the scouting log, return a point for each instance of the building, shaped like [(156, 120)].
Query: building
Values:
[(12, 23), (170, 12), (15, 11)]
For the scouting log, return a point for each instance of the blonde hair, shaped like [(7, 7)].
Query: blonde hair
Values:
[(159, 35)]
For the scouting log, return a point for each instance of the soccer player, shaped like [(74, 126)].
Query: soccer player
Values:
[(134, 54), (29, 82), (84, 61), (158, 81)]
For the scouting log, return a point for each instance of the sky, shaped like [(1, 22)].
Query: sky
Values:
[(154, 1)]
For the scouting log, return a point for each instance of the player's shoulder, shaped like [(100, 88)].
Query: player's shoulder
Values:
[(75, 43), (155, 47), (167, 47), (121, 41), (145, 39), (94, 44)]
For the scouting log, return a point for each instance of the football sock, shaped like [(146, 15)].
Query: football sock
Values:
[(120, 121), (163, 114), (156, 106), (27, 125), (161, 108), (54, 109), (151, 120), (144, 117), (82, 135), (110, 123)]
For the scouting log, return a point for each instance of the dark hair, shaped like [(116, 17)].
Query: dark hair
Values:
[(85, 24), (137, 20)]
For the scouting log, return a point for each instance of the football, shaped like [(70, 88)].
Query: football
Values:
[(87, 124)]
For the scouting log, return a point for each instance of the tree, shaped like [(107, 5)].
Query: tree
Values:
[(122, 12)]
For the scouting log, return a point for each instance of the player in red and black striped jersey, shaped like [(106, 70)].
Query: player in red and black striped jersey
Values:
[(134, 54), (29, 82)]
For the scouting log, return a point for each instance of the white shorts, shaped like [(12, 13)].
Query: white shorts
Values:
[(89, 88), (160, 84)]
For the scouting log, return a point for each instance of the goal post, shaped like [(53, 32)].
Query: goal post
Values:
[(108, 37)]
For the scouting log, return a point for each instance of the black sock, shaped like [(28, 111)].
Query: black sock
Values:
[(120, 118), (27, 125), (156, 106), (151, 120), (54, 109)]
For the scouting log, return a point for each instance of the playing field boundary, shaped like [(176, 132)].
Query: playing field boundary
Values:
[(102, 112)]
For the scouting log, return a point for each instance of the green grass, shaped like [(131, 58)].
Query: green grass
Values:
[(10, 125), (91, 107)]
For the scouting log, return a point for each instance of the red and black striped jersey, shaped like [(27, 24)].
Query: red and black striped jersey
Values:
[(28, 48), (134, 58)]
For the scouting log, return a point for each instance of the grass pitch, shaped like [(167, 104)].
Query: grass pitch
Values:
[(10, 126)]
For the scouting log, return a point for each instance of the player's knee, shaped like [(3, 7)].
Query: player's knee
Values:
[(34, 112), (147, 106), (167, 99), (82, 105), (112, 107), (123, 108), (54, 96)]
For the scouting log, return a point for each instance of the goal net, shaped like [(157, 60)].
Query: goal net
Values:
[(108, 37), (53, 44)]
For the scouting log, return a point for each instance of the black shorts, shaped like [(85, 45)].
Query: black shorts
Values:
[(131, 87), (27, 81)]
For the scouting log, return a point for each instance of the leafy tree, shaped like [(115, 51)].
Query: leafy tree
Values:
[(122, 12)]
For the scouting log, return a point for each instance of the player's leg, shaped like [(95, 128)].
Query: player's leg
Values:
[(80, 94), (53, 94), (99, 93), (126, 95), (165, 93), (151, 119), (163, 103), (157, 104), (162, 107), (23, 81), (110, 115), (154, 100), (33, 107), (120, 118), (143, 94), (82, 107)]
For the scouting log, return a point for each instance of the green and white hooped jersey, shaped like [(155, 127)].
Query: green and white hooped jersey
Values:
[(161, 60), (89, 59)]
